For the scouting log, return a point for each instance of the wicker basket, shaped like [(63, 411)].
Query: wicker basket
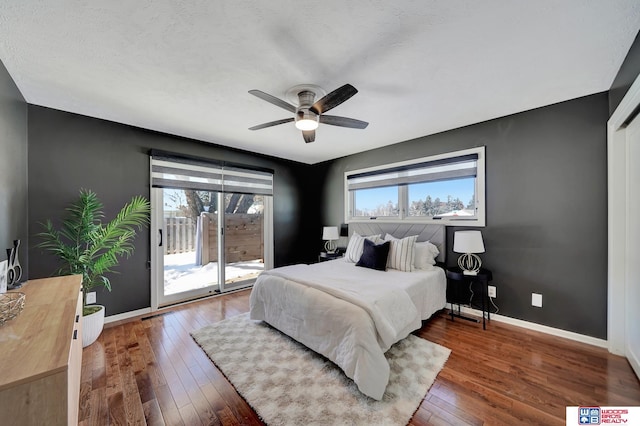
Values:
[(11, 304)]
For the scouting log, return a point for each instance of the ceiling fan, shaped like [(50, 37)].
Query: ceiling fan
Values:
[(308, 113)]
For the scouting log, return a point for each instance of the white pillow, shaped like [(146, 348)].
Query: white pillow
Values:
[(401, 252), (356, 246), (425, 255)]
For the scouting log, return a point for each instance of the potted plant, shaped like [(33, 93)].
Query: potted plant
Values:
[(87, 246)]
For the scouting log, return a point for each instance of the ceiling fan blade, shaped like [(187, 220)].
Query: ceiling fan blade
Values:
[(271, 123), (273, 100), (309, 135), (334, 120), (333, 99)]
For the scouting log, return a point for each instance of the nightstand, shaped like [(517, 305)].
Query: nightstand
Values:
[(324, 256), (457, 278)]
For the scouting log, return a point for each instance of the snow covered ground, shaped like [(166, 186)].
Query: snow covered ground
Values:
[(182, 274)]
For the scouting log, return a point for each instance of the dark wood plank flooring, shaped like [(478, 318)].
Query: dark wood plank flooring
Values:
[(150, 371)]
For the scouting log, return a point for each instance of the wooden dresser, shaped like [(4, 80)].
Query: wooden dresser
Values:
[(41, 355)]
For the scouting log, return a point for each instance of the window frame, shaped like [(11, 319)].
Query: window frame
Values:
[(479, 219)]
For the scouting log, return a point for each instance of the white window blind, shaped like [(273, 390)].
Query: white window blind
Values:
[(187, 173), (449, 168)]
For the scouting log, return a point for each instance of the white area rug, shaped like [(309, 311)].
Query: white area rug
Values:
[(288, 384)]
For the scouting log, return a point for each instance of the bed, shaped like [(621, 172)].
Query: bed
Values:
[(350, 314)]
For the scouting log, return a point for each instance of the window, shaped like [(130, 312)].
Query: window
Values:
[(370, 202), (447, 188)]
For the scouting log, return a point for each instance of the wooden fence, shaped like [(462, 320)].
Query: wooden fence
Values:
[(244, 237), (180, 235)]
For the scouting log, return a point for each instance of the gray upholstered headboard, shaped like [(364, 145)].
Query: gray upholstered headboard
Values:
[(436, 234)]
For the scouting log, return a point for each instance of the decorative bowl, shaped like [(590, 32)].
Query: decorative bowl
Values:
[(11, 304)]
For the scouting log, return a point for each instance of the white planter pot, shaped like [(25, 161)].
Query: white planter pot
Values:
[(92, 326)]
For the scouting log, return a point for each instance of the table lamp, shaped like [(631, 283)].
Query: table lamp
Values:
[(469, 243), (330, 234)]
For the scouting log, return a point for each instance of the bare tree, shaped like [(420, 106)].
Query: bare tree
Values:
[(201, 201), (245, 203), (233, 203), (194, 203)]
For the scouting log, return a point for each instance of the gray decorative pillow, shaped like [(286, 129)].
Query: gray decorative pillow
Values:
[(356, 246)]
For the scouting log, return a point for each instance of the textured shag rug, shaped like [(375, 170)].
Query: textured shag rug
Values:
[(288, 384)]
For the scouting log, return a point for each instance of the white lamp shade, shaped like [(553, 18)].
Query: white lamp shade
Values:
[(330, 233), (468, 242)]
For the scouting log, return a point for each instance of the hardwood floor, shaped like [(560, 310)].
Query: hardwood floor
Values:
[(150, 371)]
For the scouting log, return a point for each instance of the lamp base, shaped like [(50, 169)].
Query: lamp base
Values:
[(469, 263), (330, 246)]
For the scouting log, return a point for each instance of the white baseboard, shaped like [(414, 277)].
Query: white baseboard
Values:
[(494, 317), (144, 311), (633, 360), (541, 328), (126, 315)]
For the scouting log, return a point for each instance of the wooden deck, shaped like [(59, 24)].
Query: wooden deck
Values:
[(150, 371)]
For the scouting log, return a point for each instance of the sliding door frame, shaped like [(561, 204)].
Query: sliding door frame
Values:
[(158, 234)]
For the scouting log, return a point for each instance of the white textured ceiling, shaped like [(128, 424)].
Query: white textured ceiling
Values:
[(420, 66)]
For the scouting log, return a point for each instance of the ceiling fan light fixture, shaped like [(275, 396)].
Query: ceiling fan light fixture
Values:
[(306, 124), (308, 112), (306, 120)]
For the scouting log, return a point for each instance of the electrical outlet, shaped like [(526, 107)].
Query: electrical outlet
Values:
[(536, 300), (91, 297), (492, 291)]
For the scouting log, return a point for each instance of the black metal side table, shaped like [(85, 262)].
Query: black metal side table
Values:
[(484, 276), (324, 256)]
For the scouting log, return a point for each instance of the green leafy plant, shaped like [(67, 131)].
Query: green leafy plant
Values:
[(87, 246)]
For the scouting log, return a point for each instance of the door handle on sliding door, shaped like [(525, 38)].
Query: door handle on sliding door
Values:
[(160, 234)]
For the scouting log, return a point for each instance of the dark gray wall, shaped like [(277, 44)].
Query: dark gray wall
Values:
[(626, 76), (69, 152), (546, 207), (546, 195), (13, 169)]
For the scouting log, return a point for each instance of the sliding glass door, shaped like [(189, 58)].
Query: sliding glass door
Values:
[(243, 238), (181, 272), (206, 242)]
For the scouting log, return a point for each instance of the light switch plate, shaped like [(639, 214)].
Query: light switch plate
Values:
[(536, 300), (91, 297)]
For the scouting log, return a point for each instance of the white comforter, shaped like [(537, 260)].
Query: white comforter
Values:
[(349, 314)]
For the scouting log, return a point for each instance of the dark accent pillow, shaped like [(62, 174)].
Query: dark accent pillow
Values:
[(374, 256)]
